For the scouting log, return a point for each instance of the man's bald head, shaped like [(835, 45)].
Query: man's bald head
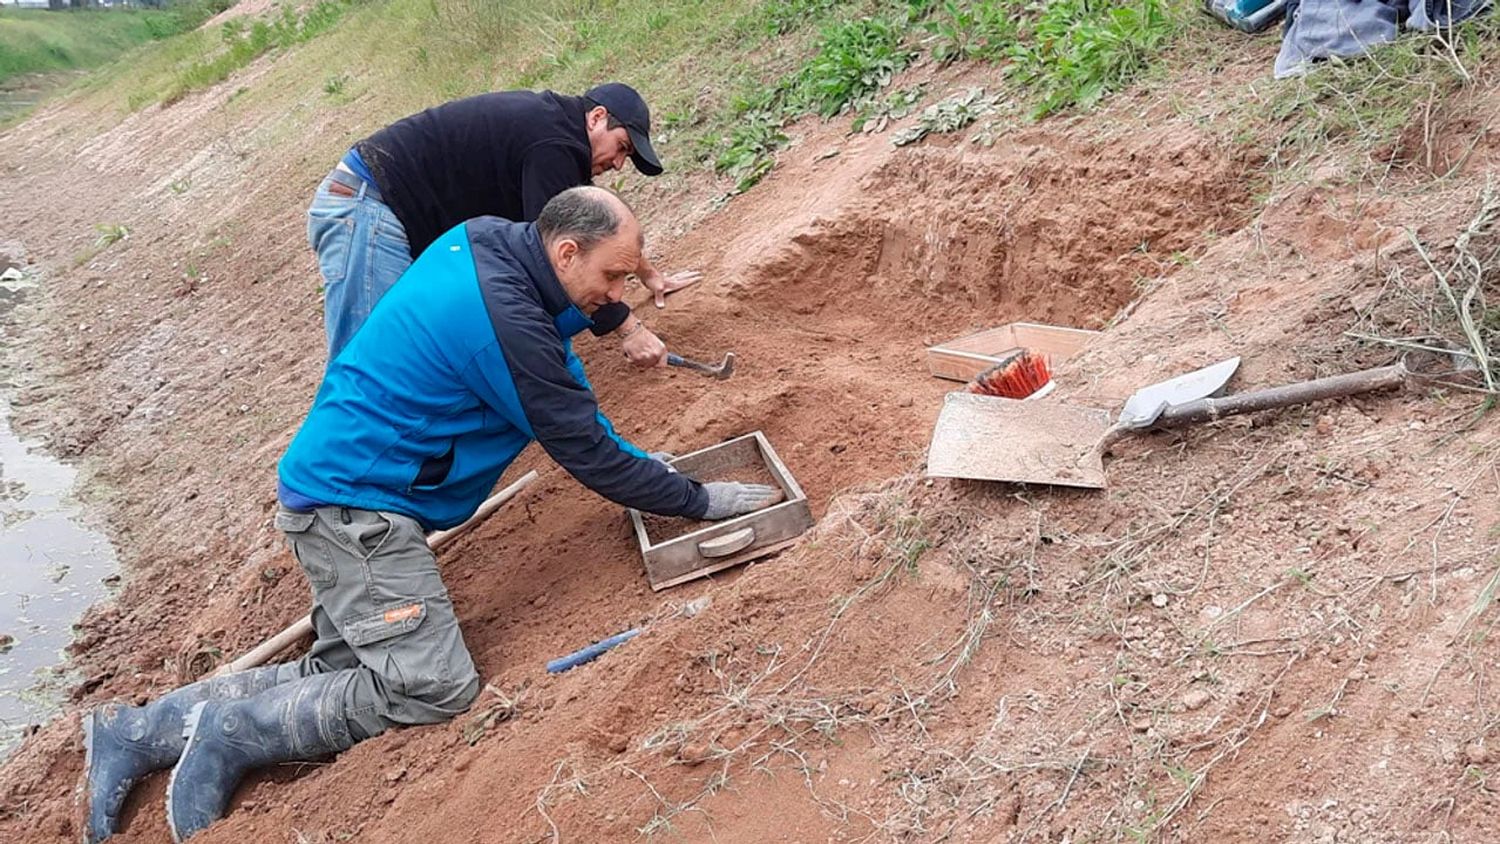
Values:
[(588, 215), (593, 241)]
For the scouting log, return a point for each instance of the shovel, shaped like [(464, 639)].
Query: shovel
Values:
[(722, 371), (995, 439), (1148, 403)]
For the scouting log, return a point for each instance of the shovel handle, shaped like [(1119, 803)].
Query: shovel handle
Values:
[(1332, 387)]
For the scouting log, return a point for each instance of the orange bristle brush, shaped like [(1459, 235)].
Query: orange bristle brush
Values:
[(1016, 378)]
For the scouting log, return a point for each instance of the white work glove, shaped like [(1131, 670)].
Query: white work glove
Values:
[(732, 498), (664, 458)]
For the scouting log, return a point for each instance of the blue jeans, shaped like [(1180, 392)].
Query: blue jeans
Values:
[(362, 251)]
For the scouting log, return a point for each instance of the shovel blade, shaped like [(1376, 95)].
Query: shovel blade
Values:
[(1148, 402), (988, 438)]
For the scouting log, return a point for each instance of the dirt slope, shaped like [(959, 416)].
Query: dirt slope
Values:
[(1256, 634)]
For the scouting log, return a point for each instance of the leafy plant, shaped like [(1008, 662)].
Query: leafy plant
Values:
[(1077, 51), (853, 60), (875, 115), (981, 30), (751, 149), (110, 234), (950, 115)]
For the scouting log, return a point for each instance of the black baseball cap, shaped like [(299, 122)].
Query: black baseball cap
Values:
[(626, 106)]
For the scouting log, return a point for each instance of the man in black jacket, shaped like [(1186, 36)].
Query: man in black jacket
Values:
[(502, 154)]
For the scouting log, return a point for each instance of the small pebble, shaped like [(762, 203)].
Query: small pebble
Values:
[(1196, 698)]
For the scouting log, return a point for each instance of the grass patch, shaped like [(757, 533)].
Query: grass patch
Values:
[(245, 42), (1387, 106), (42, 41), (724, 79)]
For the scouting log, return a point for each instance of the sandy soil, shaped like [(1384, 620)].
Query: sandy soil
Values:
[(1259, 632)]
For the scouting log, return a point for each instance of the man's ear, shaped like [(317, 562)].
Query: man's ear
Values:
[(596, 117), (567, 250)]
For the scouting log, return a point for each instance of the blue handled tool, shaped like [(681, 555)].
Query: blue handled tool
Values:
[(590, 653)]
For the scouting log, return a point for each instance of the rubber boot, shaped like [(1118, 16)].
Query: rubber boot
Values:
[(122, 744), (225, 740)]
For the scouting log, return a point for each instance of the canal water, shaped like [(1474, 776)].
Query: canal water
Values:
[(52, 567)]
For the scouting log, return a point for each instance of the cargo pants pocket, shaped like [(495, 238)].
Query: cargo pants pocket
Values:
[(394, 643), (309, 547)]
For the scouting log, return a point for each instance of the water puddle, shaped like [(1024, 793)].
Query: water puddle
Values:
[(52, 568), (19, 94)]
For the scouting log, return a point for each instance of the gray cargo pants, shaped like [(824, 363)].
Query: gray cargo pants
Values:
[(380, 607)]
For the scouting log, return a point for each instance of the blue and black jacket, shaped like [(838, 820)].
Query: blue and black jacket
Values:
[(464, 362)]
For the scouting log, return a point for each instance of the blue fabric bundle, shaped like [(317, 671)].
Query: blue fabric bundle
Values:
[(1317, 29)]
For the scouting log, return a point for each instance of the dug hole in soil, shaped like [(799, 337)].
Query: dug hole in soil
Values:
[(935, 660)]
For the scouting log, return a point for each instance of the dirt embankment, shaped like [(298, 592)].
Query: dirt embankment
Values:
[(1254, 634)]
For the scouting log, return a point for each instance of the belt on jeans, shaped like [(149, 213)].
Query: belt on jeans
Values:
[(345, 183)]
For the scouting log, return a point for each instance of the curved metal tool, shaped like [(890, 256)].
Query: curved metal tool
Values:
[(1142, 409), (723, 370)]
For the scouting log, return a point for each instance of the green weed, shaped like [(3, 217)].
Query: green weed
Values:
[(751, 149), (874, 115), (983, 30), (950, 115), (110, 234), (1078, 51), (853, 60)]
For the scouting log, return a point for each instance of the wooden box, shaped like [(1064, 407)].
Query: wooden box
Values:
[(720, 545), (966, 357)]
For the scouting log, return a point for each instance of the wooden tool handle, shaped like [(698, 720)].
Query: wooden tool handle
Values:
[(1333, 387), (262, 653), (1212, 410)]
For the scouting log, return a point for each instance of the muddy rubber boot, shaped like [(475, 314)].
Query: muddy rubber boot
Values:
[(123, 743), (225, 740)]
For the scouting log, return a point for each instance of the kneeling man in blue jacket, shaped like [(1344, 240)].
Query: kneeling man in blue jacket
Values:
[(454, 373)]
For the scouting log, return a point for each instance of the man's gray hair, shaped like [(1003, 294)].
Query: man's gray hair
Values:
[(586, 215)]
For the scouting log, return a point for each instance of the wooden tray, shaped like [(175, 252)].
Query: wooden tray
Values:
[(732, 541), (966, 357)]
